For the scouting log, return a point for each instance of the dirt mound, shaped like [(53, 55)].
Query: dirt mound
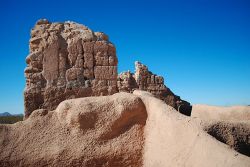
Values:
[(118, 130), (233, 113), (172, 139), (234, 134), (230, 125), (93, 131)]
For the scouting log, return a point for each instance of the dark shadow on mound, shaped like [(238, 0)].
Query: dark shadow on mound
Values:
[(128, 119), (236, 135)]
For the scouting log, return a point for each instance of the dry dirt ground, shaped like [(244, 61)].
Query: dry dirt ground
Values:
[(230, 125), (115, 131)]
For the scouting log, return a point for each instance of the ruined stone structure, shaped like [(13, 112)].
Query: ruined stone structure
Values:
[(68, 60), (145, 80)]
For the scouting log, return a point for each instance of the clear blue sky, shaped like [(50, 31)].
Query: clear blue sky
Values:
[(201, 47)]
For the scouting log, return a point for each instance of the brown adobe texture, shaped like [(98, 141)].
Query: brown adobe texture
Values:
[(120, 130), (68, 60), (145, 80)]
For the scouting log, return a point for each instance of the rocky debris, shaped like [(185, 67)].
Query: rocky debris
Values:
[(126, 82), (120, 130), (68, 60), (145, 80)]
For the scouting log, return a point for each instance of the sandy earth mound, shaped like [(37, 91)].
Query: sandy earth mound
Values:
[(98, 131), (115, 131), (230, 125), (234, 113)]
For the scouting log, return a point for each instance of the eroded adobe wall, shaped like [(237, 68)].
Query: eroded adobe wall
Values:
[(67, 60), (145, 80)]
